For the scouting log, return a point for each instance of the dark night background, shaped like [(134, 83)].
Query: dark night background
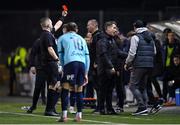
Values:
[(20, 18), (151, 5)]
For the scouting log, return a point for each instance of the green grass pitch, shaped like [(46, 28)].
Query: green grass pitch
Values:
[(11, 113)]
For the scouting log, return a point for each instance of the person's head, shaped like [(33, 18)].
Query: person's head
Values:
[(64, 28), (176, 60), (111, 28), (92, 25), (171, 37), (166, 31), (46, 23), (72, 26), (139, 24)]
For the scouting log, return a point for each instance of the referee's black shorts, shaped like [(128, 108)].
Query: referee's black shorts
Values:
[(52, 73)]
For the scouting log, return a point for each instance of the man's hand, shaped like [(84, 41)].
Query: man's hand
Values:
[(95, 65), (113, 71), (64, 13), (60, 69), (126, 67), (85, 80), (55, 87), (33, 70)]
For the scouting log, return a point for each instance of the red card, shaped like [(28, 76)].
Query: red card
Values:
[(65, 8)]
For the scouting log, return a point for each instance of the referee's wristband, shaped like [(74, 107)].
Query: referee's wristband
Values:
[(53, 30), (62, 18)]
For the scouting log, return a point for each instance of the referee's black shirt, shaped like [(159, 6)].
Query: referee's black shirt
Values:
[(47, 39)]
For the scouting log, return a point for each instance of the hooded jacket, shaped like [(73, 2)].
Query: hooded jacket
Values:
[(142, 49)]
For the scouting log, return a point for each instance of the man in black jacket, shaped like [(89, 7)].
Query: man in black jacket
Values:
[(107, 54), (92, 27), (36, 68)]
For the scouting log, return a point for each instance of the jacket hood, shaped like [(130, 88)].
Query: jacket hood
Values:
[(140, 30), (146, 35)]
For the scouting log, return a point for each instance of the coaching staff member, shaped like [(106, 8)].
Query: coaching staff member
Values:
[(107, 53)]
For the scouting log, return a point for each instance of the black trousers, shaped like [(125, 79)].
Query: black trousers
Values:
[(12, 82), (152, 80), (89, 90), (106, 88), (119, 89), (40, 84), (165, 83), (96, 86)]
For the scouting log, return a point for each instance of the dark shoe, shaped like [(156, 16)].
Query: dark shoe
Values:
[(141, 111), (102, 112), (56, 112), (30, 110), (161, 101), (155, 109), (111, 112), (51, 113)]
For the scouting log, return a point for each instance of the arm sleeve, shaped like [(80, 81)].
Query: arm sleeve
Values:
[(132, 50), (53, 30), (87, 59), (103, 50), (48, 41), (33, 54), (122, 54), (60, 50)]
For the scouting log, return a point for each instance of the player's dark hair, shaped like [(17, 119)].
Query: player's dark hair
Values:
[(177, 56), (71, 26)]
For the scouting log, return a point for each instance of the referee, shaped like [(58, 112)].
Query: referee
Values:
[(50, 61)]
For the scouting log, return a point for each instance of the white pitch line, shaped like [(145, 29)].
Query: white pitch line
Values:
[(54, 117), (126, 117)]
